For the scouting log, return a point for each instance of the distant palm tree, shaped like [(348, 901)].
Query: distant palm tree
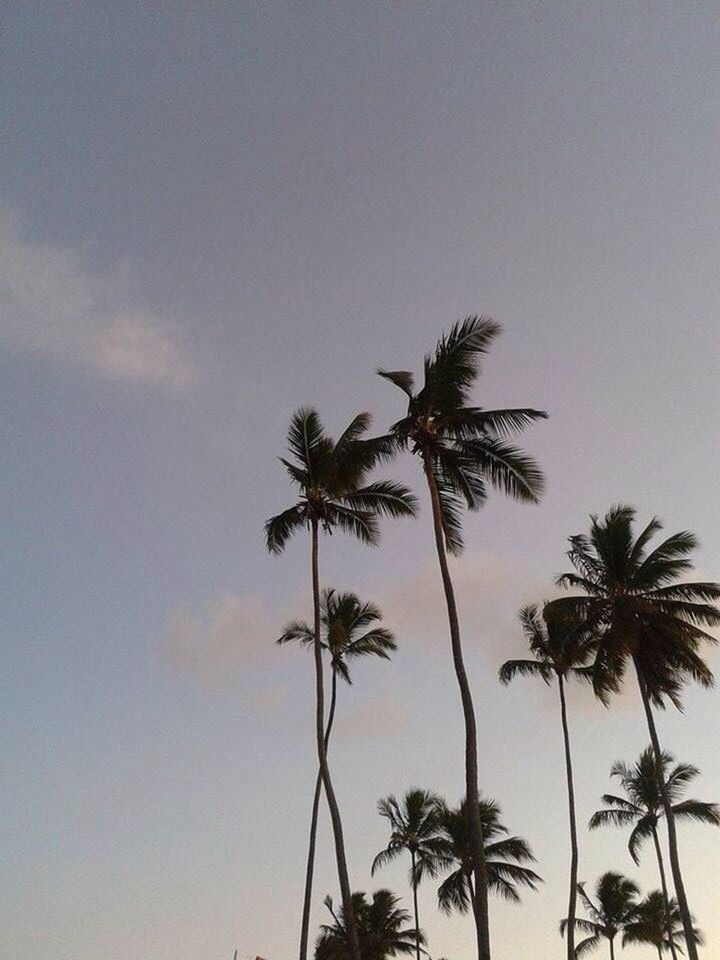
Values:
[(381, 925), (654, 924), (415, 824), (334, 494), (505, 858), (613, 908), (561, 651), (641, 807), (463, 449), (345, 622), (645, 615)]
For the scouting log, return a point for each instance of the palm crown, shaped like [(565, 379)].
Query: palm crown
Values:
[(416, 825), (614, 905), (649, 924), (559, 645), (381, 925)]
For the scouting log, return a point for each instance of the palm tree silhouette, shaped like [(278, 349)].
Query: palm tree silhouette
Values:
[(646, 616), (381, 925), (463, 449), (333, 494), (658, 924), (641, 808), (345, 621), (415, 824), (561, 651), (613, 908)]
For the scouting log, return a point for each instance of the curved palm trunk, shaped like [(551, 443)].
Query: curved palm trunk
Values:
[(666, 898), (307, 902), (353, 944), (477, 849), (415, 906), (670, 818), (572, 902)]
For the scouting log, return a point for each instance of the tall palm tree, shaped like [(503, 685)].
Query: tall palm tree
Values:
[(381, 925), (331, 477), (657, 924), (645, 615), (641, 808), (505, 858), (415, 824), (561, 652), (613, 908), (463, 449), (345, 621)]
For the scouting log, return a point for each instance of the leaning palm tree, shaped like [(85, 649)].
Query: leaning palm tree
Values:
[(645, 615), (612, 909), (334, 494), (641, 808), (657, 924), (561, 651), (381, 925), (415, 824), (463, 449), (350, 631)]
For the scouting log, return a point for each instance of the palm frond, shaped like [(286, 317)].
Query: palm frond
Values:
[(506, 467), (384, 498), (279, 529), (401, 378)]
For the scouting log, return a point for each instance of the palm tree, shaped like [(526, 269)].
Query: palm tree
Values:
[(645, 615), (658, 924), (463, 449), (613, 908), (505, 857), (333, 494), (345, 635), (561, 651), (641, 808), (381, 925), (415, 825)]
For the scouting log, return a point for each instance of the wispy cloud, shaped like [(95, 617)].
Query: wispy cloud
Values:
[(51, 304)]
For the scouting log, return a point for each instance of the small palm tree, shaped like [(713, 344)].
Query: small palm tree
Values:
[(613, 908), (647, 617), (561, 651), (331, 477), (654, 923), (350, 631), (381, 925), (415, 824), (641, 807), (463, 449)]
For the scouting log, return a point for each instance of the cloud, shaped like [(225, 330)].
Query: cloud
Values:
[(52, 305)]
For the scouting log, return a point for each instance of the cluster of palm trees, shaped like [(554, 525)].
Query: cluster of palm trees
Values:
[(633, 609)]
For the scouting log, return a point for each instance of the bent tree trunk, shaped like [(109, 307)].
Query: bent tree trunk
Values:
[(477, 849), (666, 898), (670, 818), (307, 902), (351, 926), (572, 902), (415, 906)]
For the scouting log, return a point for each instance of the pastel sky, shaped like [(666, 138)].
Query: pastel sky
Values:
[(211, 213)]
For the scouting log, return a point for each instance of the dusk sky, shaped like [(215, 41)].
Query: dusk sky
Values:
[(212, 213)]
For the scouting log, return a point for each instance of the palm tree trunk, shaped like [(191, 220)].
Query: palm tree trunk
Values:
[(353, 944), (670, 818), (572, 903), (612, 948), (307, 902), (666, 898), (477, 848), (415, 906)]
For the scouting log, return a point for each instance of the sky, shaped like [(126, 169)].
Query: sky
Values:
[(211, 214)]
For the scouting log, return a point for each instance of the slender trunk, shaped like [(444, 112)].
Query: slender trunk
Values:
[(307, 902), (666, 898), (612, 948), (670, 818), (660, 953), (415, 906), (351, 926), (572, 902), (477, 849)]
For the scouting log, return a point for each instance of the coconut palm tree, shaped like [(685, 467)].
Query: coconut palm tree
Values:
[(612, 909), (331, 477), (381, 925), (345, 621), (561, 652), (505, 858), (646, 616), (641, 808), (657, 924), (463, 449), (415, 824)]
